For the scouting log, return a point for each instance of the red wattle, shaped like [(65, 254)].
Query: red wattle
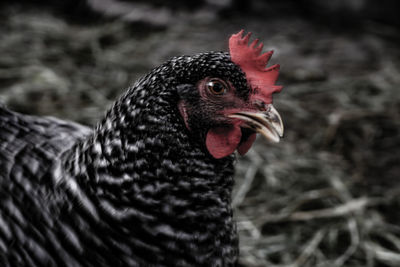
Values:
[(246, 145), (222, 141)]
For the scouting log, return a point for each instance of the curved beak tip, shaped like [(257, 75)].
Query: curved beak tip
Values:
[(268, 123)]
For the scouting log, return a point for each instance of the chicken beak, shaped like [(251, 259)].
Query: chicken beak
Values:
[(268, 122)]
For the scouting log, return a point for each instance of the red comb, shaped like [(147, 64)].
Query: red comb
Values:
[(253, 63)]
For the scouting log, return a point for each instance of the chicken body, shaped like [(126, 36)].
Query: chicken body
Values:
[(151, 184), (137, 191)]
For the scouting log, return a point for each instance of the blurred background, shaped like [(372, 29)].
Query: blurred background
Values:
[(329, 193)]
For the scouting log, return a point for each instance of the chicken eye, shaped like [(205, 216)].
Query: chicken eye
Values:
[(217, 87)]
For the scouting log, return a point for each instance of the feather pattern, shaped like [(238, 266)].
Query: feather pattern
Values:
[(137, 190)]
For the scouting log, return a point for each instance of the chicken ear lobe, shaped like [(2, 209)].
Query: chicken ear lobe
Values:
[(223, 141)]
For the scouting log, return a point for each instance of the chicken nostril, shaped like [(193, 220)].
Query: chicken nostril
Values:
[(260, 105)]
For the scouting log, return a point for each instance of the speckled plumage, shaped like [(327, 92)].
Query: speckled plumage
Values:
[(138, 190)]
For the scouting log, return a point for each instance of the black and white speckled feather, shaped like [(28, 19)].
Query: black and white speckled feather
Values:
[(138, 190)]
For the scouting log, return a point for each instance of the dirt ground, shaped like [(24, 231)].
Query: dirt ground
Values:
[(327, 195)]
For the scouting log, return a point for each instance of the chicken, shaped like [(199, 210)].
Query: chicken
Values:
[(151, 184)]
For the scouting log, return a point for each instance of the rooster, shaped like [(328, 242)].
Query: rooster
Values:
[(151, 184)]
